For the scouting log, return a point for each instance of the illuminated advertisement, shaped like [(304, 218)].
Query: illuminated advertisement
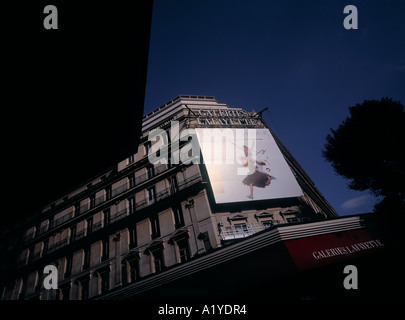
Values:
[(245, 165)]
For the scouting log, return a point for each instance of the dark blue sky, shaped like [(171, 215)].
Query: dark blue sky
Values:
[(294, 57)]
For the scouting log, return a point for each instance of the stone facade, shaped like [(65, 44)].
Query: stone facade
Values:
[(136, 219)]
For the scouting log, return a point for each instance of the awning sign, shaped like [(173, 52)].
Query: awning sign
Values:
[(329, 248)]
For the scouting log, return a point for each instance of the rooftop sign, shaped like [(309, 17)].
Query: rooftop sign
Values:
[(224, 117)]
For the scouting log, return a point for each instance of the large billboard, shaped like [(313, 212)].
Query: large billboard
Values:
[(245, 165)]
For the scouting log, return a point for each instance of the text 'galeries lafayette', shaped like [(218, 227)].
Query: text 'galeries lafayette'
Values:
[(321, 254)]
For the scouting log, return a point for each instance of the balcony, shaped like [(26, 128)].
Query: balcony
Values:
[(119, 215), (244, 230), (80, 234), (43, 230), (97, 226), (22, 261), (35, 256), (29, 237), (163, 194), (62, 220), (58, 245), (99, 200)]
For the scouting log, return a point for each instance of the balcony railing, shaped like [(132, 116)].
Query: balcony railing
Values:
[(62, 220), (142, 178), (97, 226), (58, 245), (35, 256), (247, 229), (80, 234), (21, 262), (120, 189), (301, 219), (243, 231), (99, 200), (29, 237), (43, 229), (119, 215)]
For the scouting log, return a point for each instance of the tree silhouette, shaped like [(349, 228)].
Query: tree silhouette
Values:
[(368, 149)]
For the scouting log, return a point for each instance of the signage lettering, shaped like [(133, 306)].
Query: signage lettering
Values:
[(224, 117), (329, 248), (326, 253)]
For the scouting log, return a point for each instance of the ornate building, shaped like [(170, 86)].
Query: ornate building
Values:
[(143, 223)]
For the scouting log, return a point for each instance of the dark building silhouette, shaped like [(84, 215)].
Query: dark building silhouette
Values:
[(74, 97)]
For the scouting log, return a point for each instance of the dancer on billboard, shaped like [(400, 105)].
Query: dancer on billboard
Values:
[(256, 177)]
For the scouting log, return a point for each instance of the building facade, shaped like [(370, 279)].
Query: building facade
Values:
[(142, 218)]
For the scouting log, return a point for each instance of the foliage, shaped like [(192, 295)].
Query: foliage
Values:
[(368, 149)]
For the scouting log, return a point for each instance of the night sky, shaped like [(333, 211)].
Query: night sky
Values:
[(294, 57)]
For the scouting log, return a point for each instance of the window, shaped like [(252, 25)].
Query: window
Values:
[(46, 244), (130, 270), (151, 195), (64, 292), (106, 249), (39, 280), (148, 146), (170, 163), (68, 270), (92, 200), (240, 227), (108, 193), (86, 260), (31, 253), (23, 288), (107, 216), (77, 209), (124, 272), (44, 228), (206, 240), (104, 281), (89, 225), (133, 270), (72, 234), (58, 294), (131, 205), (151, 171), (131, 180), (267, 223), (51, 222), (84, 289), (157, 257), (178, 216), (154, 221), (132, 236), (131, 159), (173, 184), (184, 251)]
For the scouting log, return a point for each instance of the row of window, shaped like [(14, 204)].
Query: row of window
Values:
[(91, 227), (109, 193), (130, 271)]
